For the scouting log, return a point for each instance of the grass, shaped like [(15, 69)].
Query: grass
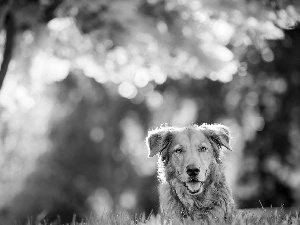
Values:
[(276, 217)]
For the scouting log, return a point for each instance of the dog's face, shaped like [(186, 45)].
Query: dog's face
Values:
[(191, 155), (188, 153)]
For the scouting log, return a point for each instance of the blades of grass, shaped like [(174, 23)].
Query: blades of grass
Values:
[(74, 219)]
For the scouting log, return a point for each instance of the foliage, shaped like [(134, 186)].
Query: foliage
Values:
[(194, 34)]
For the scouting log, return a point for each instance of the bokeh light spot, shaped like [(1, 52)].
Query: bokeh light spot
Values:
[(141, 78), (97, 134), (267, 55), (253, 57), (252, 98), (218, 52), (162, 27), (155, 100), (158, 76), (147, 90), (48, 68), (60, 24), (127, 90), (223, 31), (101, 201), (259, 123), (233, 98), (128, 200), (280, 86)]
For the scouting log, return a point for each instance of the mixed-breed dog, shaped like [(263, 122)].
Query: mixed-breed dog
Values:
[(192, 185)]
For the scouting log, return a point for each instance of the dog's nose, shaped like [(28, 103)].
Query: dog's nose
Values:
[(192, 170)]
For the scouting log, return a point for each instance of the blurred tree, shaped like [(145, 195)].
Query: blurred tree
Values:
[(85, 163), (152, 62), (272, 155), (200, 30)]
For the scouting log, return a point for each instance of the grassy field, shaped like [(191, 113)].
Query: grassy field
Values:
[(260, 216)]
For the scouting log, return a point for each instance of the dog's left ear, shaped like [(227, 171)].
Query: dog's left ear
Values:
[(219, 134), (158, 141)]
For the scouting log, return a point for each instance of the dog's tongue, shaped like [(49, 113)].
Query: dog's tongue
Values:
[(194, 187)]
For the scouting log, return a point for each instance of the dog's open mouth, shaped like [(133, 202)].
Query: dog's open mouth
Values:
[(194, 186)]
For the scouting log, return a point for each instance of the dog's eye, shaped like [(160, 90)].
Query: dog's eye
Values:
[(202, 149), (178, 150)]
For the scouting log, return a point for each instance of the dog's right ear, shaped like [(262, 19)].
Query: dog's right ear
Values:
[(158, 141)]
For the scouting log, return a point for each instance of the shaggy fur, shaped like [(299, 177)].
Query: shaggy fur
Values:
[(202, 193)]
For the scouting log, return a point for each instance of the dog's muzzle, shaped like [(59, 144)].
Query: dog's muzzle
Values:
[(194, 186)]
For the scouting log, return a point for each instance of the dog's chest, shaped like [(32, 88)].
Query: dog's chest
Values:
[(194, 209), (180, 204)]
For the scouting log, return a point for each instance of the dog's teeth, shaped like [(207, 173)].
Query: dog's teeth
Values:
[(194, 187)]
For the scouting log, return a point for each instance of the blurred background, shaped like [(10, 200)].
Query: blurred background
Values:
[(86, 79)]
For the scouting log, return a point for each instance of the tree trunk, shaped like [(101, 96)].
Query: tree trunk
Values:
[(9, 24), (5, 7)]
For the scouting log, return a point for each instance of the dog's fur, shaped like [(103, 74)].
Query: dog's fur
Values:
[(199, 195)]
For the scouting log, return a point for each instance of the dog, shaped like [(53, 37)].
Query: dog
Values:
[(192, 184)]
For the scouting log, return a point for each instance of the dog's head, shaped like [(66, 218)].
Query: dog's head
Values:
[(188, 153)]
